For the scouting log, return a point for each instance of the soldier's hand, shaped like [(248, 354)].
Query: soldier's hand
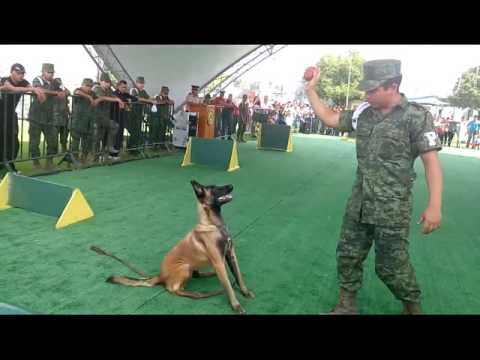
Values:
[(121, 104), (431, 219), (61, 94), (40, 94), (310, 85)]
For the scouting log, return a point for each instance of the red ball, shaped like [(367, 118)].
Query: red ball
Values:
[(309, 73)]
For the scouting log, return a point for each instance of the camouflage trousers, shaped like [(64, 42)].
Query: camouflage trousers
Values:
[(50, 133), (392, 261), (86, 141), (63, 134), (104, 133)]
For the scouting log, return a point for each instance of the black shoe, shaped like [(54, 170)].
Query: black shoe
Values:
[(11, 167)]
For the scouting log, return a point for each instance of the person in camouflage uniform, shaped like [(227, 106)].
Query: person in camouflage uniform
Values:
[(243, 119), (83, 117), (41, 117), (104, 128), (12, 89), (140, 111), (61, 113), (391, 133), (162, 119)]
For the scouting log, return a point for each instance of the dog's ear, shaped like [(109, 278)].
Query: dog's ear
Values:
[(198, 188)]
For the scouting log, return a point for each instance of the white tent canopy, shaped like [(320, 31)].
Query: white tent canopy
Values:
[(177, 66), (429, 100)]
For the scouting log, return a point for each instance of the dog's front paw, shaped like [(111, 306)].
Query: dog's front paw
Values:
[(248, 294), (238, 309)]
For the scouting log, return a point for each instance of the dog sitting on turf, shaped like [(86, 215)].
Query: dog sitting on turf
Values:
[(209, 243)]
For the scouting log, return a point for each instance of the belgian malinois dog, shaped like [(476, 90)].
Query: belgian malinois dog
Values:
[(209, 243)]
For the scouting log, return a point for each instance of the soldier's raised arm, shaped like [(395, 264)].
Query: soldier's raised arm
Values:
[(329, 117)]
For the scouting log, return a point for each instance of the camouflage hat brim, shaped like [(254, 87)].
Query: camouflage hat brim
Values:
[(368, 85)]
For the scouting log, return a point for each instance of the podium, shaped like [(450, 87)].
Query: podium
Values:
[(205, 120)]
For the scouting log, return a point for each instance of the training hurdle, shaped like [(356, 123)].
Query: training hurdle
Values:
[(274, 137), (221, 154), (43, 197)]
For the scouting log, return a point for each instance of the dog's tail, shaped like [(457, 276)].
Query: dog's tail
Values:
[(128, 281)]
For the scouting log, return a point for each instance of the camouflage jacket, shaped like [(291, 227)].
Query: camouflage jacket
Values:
[(42, 113), (139, 109), (387, 146), (82, 112)]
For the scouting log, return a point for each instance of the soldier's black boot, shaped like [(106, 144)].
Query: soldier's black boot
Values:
[(411, 308), (347, 303), (49, 164), (36, 164)]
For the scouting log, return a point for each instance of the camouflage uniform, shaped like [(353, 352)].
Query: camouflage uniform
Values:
[(83, 117), (41, 118), (104, 128), (136, 117), (380, 206), (162, 120), (244, 112), (61, 114)]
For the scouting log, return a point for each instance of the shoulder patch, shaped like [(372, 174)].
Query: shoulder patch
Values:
[(361, 108), (39, 79)]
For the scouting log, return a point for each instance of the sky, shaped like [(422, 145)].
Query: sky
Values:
[(72, 63), (427, 69)]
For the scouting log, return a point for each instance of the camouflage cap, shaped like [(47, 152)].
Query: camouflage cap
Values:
[(48, 68), (87, 82), (105, 77), (140, 80), (164, 88), (376, 72)]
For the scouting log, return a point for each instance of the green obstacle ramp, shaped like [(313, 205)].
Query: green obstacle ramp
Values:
[(6, 309), (43, 197), (274, 137), (220, 154)]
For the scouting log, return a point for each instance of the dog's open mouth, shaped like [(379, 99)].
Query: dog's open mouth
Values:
[(224, 198)]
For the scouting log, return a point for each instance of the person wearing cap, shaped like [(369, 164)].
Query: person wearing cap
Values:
[(82, 124), (61, 113), (219, 103), (104, 127), (121, 116), (163, 117), (41, 117), (192, 98), (12, 89), (391, 133), (207, 100), (243, 118), (140, 111), (227, 117)]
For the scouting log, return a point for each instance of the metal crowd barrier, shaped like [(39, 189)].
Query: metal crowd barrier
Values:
[(141, 132)]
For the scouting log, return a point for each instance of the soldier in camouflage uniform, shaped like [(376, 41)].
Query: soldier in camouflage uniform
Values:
[(83, 117), (391, 133), (163, 118), (135, 118), (41, 117), (104, 128), (61, 114)]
